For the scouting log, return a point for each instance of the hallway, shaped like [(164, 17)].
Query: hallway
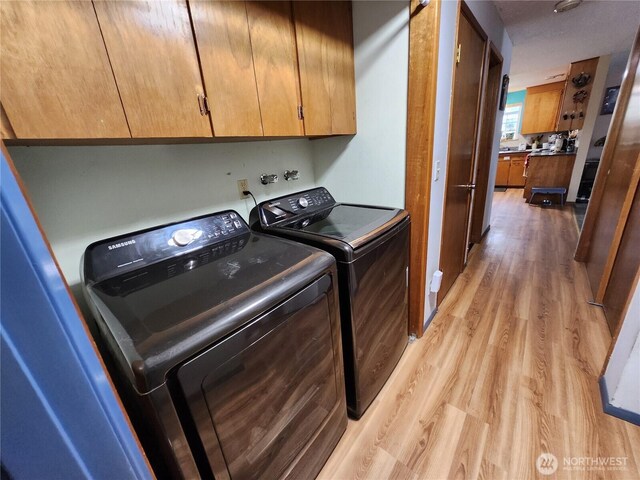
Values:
[(507, 370)]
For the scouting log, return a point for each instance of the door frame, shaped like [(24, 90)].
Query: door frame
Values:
[(424, 34), (466, 11), (488, 115)]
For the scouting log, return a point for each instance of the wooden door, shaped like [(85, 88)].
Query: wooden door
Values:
[(502, 174), (153, 55), (625, 269), (541, 108), (56, 80), (615, 186), (324, 36), (224, 46), (462, 141), (276, 67), (491, 95)]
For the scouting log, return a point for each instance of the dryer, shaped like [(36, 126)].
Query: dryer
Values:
[(225, 346), (371, 245)]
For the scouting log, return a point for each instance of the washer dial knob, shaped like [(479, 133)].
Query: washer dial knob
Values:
[(185, 236), (303, 202)]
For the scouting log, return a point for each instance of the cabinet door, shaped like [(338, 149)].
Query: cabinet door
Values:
[(153, 55), (224, 46), (541, 108), (516, 172), (276, 67), (324, 35), (502, 174), (56, 79)]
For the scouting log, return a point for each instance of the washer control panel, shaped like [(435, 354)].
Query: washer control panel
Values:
[(301, 203), (122, 254)]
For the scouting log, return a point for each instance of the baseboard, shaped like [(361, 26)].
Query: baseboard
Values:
[(618, 412), (428, 322), (484, 234)]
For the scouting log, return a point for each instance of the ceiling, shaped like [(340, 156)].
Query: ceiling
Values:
[(545, 43)]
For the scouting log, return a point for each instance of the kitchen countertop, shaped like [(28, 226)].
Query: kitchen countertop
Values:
[(550, 154), (536, 153)]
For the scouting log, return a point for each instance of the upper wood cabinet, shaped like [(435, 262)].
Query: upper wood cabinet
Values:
[(541, 108), (325, 54), (56, 80), (154, 59), (176, 69), (275, 61), (224, 45)]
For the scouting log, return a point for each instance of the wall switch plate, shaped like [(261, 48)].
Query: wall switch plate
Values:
[(437, 176), (243, 185)]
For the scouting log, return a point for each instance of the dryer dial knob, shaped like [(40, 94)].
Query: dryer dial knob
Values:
[(303, 202)]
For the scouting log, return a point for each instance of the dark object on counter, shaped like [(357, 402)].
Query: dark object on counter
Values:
[(609, 100), (503, 92), (571, 145), (224, 345), (371, 246)]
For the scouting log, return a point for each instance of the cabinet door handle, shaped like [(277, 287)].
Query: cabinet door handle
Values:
[(203, 104)]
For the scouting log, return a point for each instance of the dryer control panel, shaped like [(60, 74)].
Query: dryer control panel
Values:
[(118, 255), (297, 204)]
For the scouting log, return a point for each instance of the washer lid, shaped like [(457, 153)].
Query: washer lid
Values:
[(162, 314)]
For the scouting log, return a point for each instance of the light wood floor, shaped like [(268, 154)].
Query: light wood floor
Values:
[(507, 370)]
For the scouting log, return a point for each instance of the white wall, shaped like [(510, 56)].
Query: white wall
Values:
[(622, 375), (487, 16), (370, 167), (84, 194)]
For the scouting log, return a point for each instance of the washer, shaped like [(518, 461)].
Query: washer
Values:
[(370, 245), (225, 346)]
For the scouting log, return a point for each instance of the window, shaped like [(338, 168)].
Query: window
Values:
[(511, 121)]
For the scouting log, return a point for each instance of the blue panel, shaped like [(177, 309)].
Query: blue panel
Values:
[(65, 421)]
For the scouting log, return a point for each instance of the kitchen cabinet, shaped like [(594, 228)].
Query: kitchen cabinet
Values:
[(548, 171), (154, 60), (224, 45), (573, 107), (56, 80), (502, 174), (516, 173), (511, 170), (325, 54), (275, 61), (541, 108)]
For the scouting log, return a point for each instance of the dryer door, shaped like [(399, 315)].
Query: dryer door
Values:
[(258, 397)]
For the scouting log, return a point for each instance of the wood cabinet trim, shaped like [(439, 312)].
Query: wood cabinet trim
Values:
[(424, 29)]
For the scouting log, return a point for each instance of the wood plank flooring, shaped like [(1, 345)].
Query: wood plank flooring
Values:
[(507, 370)]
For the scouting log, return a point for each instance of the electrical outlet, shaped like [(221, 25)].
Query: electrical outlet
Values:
[(437, 171), (243, 185)]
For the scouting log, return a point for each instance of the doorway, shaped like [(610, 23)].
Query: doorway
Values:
[(465, 108)]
